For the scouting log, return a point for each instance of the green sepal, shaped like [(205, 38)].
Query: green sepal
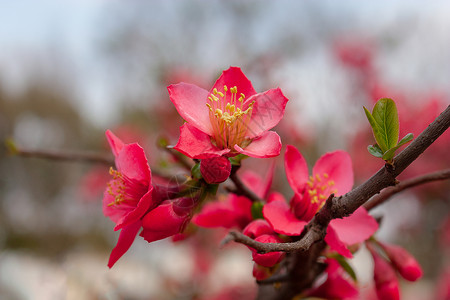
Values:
[(236, 160), (389, 155), (211, 189), (257, 208), (195, 171), (375, 150)]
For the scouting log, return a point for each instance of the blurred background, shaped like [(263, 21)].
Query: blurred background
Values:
[(70, 70)]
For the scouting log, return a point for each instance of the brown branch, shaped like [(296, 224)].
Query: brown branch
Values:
[(419, 180), (242, 189), (66, 156), (339, 207)]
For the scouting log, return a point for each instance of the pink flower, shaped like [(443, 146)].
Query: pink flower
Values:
[(129, 194), (229, 119), (331, 174), (261, 231), (403, 261), (337, 285), (386, 282), (234, 210)]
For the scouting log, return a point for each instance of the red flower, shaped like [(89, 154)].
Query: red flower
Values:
[(337, 285), (229, 119), (261, 231), (234, 210), (386, 281), (129, 194), (403, 261), (331, 174)]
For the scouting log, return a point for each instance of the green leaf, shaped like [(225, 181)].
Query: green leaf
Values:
[(384, 123), (386, 118), (257, 210), (389, 155), (375, 150), (346, 266), (195, 171)]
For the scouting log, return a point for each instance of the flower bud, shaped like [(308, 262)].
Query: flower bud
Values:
[(386, 282), (403, 261), (215, 169)]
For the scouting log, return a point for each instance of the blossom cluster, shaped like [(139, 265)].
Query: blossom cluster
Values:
[(223, 126)]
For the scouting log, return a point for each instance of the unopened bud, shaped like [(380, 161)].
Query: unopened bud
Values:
[(403, 261), (215, 169)]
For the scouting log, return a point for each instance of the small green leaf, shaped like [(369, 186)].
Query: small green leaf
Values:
[(375, 150), (257, 210), (389, 155), (236, 160), (346, 266), (386, 117)]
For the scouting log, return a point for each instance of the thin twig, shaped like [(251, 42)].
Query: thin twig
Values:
[(242, 189), (419, 180), (67, 156)]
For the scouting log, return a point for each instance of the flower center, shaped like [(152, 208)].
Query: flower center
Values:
[(229, 118), (320, 187), (124, 190)]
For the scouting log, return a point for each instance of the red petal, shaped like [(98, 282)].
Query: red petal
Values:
[(234, 77), (283, 221), (267, 145), (115, 143), (332, 239), (190, 102), (271, 258), (162, 222), (143, 205), (197, 144), (132, 163), (296, 169), (355, 228), (338, 166), (126, 238), (267, 112), (257, 227), (256, 183)]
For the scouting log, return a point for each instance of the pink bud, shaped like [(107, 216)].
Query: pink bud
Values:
[(215, 169), (260, 272), (268, 259), (257, 227), (386, 282), (404, 262)]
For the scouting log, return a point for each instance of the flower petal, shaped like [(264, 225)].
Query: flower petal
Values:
[(115, 143), (267, 112), (338, 166), (332, 239), (283, 221), (126, 238), (190, 102), (132, 163), (355, 228), (162, 222), (296, 169), (142, 207), (234, 77), (197, 144), (233, 211), (267, 145)]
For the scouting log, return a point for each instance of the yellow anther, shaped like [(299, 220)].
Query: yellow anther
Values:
[(325, 175), (225, 88), (210, 108), (311, 178), (322, 197), (315, 199), (312, 192), (323, 188), (215, 91), (242, 95), (331, 182), (318, 178), (219, 113), (310, 184), (233, 90), (220, 94)]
